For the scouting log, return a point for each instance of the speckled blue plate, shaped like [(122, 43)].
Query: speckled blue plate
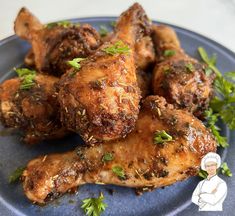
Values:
[(172, 200)]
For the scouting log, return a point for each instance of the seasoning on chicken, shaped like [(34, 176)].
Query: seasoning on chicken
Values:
[(166, 146), (179, 78), (100, 101), (31, 105), (54, 44)]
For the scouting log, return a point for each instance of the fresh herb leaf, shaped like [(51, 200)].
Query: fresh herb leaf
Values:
[(212, 119), (161, 137), (208, 71), (118, 171), (113, 24), (15, 176), (107, 157), (225, 170), (230, 75), (190, 67), (27, 77), (103, 31), (211, 62), (94, 206), (203, 174), (169, 53), (75, 63), (64, 24), (118, 48)]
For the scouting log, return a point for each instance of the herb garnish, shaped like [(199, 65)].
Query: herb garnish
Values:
[(113, 24), (190, 67), (119, 172), (27, 77), (94, 206), (169, 53), (103, 31), (15, 176), (75, 63), (64, 24), (224, 102), (160, 137), (212, 118), (118, 48), (107, 157), (225, 170)]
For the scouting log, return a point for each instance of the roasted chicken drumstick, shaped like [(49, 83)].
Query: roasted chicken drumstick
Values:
[(34, 110), (166, 146), (177, 77), (101, 100), (53, 45)]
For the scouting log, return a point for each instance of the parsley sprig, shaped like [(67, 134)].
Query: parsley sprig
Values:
[(94, 206), (103, 31), (160, 137), (15, 176), (27, 77), (223, 103), (64, 23), (117, 48)]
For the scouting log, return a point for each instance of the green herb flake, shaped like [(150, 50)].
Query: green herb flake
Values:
[(118, 171), (118, 48), (27, 77), (113, 24), (190, 67), (15, 176), (169, 53), (212, 119), (107, 157), (103, 31), (64, 24), (160, 137), (75, 63), (94, 206), (225, 170), (203, 174)]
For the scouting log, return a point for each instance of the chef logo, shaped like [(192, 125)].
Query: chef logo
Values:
[(211, 192)]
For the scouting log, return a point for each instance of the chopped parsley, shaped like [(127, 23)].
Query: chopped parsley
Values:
[(94, 206), (27, 77), (103, 31), (169, 53), (118, 48), (107, 157), (15, 176), (75, 63), (160, 137), (64, 24), (190, 67), (118, 171)]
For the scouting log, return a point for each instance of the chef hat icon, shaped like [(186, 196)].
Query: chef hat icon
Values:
[(210, 157)]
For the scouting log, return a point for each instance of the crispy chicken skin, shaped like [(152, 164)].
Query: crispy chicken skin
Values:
[(180, 78), (54, 46), (144, 163), (101, 100), (35, 111)]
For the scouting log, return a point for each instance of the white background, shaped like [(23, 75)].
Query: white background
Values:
[(212, 18)]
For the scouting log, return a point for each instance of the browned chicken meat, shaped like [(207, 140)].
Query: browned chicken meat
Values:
[(101, 100), (166, 146), (53, 45), (33, 110), (177, 77)]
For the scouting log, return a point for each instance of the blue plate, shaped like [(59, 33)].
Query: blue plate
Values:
[(172, 200)]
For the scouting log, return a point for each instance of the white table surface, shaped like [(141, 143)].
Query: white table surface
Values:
[(212, 18)]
